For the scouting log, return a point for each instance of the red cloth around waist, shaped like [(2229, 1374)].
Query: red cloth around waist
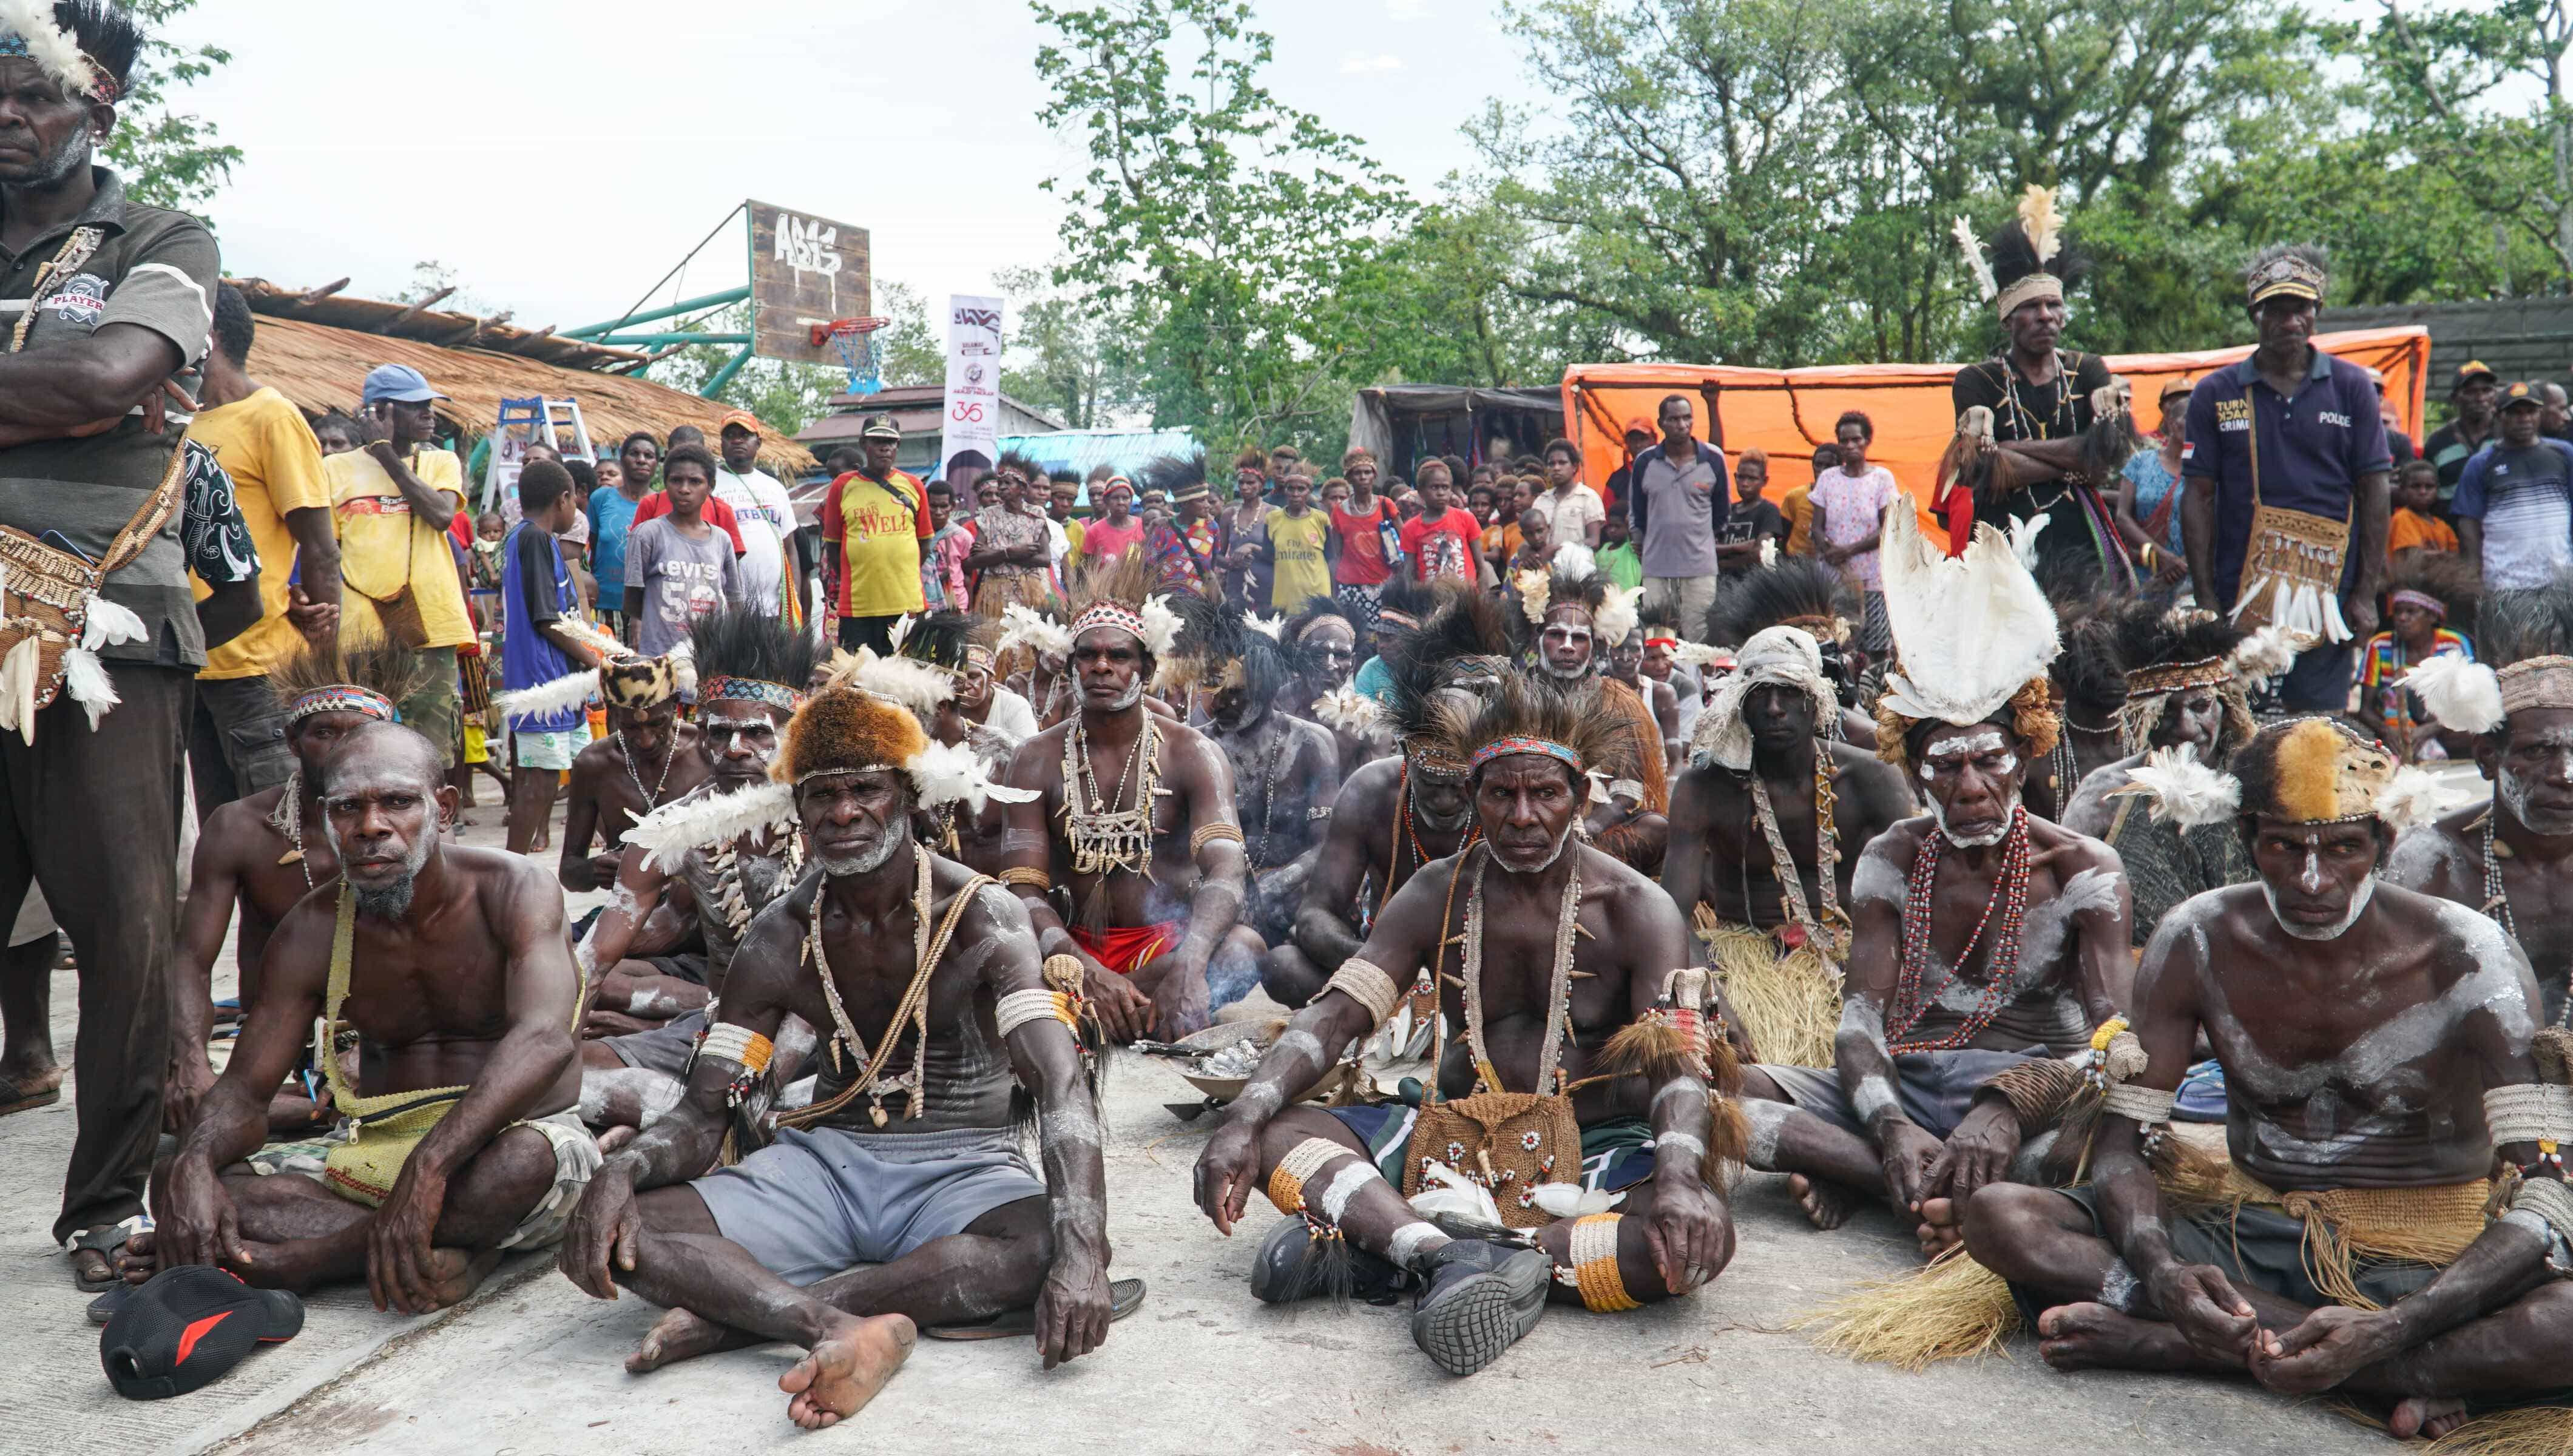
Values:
[(1127, 948)]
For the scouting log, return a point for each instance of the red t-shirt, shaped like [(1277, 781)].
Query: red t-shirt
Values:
[(1361, 559), (1443, 548), (715, 513)]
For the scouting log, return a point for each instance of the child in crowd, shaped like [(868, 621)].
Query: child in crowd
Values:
[(2415, 526), (1295, 542), (1617, 555), (1797, 505), (2430, 605), (679, 568), (1536, 545)]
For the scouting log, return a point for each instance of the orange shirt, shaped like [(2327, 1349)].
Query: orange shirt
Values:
[(2411, 527)]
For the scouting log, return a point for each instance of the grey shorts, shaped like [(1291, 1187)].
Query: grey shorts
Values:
[(815, 1203), (664, 1048), (1936, 1089)]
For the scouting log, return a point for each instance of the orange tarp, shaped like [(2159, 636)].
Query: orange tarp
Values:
[(1786, 412)]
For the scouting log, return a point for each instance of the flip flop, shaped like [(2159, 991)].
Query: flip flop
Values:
[(15, 1099), (104, 1307), (1124, 1297), (107, 1240)]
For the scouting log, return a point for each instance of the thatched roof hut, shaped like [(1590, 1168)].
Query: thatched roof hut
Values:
[(316, 349)]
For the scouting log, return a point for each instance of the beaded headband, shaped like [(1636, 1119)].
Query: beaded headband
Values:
[(2171, 677), (1432, 760), (2407, 598), (1400, 619), (978, 655), (98, 86), (2039, 284), (1518, 743), (344, 697), (1319, 623), (1109, 615), (749, 690)]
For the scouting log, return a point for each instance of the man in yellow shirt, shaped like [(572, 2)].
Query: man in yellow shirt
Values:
[(237, 746), (394, 496), (873, 521)]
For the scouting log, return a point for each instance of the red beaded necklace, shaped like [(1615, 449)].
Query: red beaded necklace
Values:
[(2010, 893)]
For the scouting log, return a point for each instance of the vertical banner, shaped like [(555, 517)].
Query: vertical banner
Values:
[(973, 440)]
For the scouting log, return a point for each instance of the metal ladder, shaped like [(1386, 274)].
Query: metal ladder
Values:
[(543, 420)]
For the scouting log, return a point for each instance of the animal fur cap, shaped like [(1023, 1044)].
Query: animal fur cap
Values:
[(2317, 771), (846, 728), (1787, 656), (1970, 631)]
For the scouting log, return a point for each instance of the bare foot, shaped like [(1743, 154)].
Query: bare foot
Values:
[(1940, 1228), (683, 1335), (1826, 1204), (135, 1262), (2093, 1336), (837, 1377), (455, 1273), (2426, 1417)]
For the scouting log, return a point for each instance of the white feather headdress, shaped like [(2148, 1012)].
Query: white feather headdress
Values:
[(2462, 695), (905, 680), (47, 45), (1697, 655), (2181, 790), (1346, 710), (1536, 587), (2266, 653), (953, 773), (1023, 626), (1270, 626), (1969, 631), (1620, 609), (2410, 800), (2044, 224), (669, 832), (1985, 285), (1161, 626), (570, 691), (1574, 563)]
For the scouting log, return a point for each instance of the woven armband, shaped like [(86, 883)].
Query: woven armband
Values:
[(1031, 878), (1209, 834), (1365, 982), (2036, 1090), (738, 1045), (2147, 1106), (2529, 1113), (1019, 1007), (1626, 789), (2549, 1199), (1595, 1263), (1287, 1180)]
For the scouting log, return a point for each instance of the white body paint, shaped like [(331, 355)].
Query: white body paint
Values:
[(2118, 1286), (2049, 922), (1680, 1086), (1344, 1186), (1412, 1240), (2313, 881), (1765, 1119), (2421, 856), (1877, 879), (1875, 1096), (1676, 1139)]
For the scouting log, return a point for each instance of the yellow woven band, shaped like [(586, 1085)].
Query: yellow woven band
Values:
[(738, 1044), (1287, 1180), (1209, 834), (1366, 982), (1595, 1263), (1033, 879), (1035, 1004)]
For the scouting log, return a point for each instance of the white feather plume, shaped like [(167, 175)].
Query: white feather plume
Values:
[(1620, 609), (1023, 626), (86, 679), (2023, 538), (1697, 655), (1346, 710), (2411, 800), (1271, 627), (912, 684), (1768, 551), (2266, 653), (669, 832), (47, 46), (953, 773), (1969, 631), (111, 625), (901, 632), (1161, 626), (1536, 590), (2181, 789), (1574, 563), (547, 697), (2045, 225), (1985, 285), (2462, 695)]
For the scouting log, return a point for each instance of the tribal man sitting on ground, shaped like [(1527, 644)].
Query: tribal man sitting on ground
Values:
[(2185, 673), (1322, 644), (1985, 937), (1582, 1073), (264, 853), (647, 759), (733, 851), (1286, 771), (2512, 857), (901, 1194), (1572, 612), (1120, 786), (453, 966), (1394, 815), (1766, 828), (2376, 1046), (1799, 593)]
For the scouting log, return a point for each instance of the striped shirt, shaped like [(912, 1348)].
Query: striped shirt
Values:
[(156, 268)]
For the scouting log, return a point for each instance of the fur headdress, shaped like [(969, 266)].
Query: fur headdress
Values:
[(1797, 591), (1122, 595), (2526, 660), (1180, 477), (2164, 651), (1971, 634), (951, 641), (371, 677), (90, 59), (739, 654), (1523, 717), (621, 679), (2320, 771), (849, 727), (1219, 647)]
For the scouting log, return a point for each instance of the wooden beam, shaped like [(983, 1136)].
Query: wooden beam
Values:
[(316, 295), (414, 311), (650, 359), (480, 327)]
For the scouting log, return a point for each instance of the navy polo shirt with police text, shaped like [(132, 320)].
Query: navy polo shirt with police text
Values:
[(2313, 445)]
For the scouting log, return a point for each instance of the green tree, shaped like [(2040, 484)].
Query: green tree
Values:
[(1068, 371), (168, 158), (1216, 225)]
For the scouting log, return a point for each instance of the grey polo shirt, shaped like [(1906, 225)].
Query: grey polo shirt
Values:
[(156, 268)]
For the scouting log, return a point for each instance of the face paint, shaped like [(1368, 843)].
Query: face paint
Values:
[(2358, 904), (1938, 812)]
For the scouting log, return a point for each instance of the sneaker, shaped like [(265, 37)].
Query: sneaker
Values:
[(1287, 1269), (1481, 1299)]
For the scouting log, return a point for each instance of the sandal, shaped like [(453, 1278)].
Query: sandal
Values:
[(1124, 1297), (15, 1097), (106, 1240)]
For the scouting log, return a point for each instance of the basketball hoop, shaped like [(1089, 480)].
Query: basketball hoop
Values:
[(854, 341)]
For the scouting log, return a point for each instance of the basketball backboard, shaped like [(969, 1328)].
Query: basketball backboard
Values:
[(804, 271)]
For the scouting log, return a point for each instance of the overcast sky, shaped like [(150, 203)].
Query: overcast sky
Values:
[(560, 156)]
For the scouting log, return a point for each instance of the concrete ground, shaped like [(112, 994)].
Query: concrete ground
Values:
[(531, 1365)]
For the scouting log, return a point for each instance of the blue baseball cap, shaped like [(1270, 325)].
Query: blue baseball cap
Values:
[(398, 383)]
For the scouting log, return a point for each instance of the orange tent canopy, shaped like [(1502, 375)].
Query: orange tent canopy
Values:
[(1786, 412)]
